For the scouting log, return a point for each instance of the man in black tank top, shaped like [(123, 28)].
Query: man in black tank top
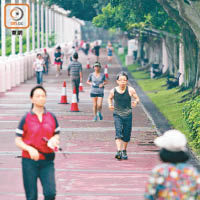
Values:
[(122, 113)]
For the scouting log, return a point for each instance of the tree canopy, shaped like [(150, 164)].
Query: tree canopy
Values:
[(135, 14), (82, 9)]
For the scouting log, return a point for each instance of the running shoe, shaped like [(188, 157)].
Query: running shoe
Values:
[(118, 155), (124, 155), (100, 116), (94, 119)]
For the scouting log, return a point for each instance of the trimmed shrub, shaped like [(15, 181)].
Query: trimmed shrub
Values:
[(191, 114)]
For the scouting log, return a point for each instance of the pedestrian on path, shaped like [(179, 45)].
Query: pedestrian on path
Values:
[(122, 112), (75, 72), (39, 65), (34, 129), (97, 81), (71, 53), (96, 50), (109, 50), (47, 61), (62, 59), (175, 178), (58, 61)]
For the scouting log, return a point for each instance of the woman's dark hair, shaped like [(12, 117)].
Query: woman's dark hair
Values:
[(97, 64), (35, 88), (173, 157), (38, 54), (122, 73)]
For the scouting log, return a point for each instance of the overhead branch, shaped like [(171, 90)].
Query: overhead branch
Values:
[(172, 12)]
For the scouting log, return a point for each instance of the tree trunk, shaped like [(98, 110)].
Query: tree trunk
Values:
[(191, 51)]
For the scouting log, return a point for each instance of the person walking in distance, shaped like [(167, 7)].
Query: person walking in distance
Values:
[(109, 52), (75, 72), (46, 58), (122, 112), (58, 61), (34, 130), (97, 81), (39, 65), (175, 178), (96, 50), (62, 59)]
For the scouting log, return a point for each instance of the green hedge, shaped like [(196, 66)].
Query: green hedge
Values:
[(191, 113)]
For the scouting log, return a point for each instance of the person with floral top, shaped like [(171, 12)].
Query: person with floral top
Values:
[(175, 179)]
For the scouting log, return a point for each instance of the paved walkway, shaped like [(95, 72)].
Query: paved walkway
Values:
[(88, 171)]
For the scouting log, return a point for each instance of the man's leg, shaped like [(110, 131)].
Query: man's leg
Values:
[(41, 77), (47, 178), (37, 77), (127, 128), (47, 68), (118, 137), (30, 175), (77, 83)]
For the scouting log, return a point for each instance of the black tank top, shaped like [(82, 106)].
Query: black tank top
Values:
[(122, 103)]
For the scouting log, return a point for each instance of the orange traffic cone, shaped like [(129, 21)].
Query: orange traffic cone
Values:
[(81, 87), (63, 99), (106, 71), (74, 104), (88, 64)]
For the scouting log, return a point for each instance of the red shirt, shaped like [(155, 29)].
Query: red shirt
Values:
[(33, 131)]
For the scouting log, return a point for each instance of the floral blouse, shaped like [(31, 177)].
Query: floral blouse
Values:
[(173, 182)]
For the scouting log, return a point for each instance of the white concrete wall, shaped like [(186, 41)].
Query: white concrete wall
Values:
[(16, 69)]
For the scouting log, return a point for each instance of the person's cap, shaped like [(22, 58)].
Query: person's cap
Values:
[(97, 64), (172, 140), (58, 47)]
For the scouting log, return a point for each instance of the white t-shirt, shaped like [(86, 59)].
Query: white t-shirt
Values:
[(38, 65)]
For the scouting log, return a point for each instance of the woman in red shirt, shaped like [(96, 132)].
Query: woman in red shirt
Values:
[(34, 130)]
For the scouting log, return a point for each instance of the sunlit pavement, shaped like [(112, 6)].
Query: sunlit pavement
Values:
[(86, 168)]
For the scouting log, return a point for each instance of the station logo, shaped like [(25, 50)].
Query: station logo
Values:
[(17, 16)]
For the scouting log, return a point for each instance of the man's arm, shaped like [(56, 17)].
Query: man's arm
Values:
[(81, 76), (133, 94), (110, 99)]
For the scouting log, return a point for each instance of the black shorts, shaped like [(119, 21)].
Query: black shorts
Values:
[(123, 127), (96, 95)]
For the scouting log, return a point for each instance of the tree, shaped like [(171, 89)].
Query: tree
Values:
[(82, 9), (186, 14)]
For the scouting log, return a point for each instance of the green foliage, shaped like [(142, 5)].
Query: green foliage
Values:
[(82, 9), (140, 14), (191, 115)]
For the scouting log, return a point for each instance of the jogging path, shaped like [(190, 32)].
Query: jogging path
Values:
[(86, 168)]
